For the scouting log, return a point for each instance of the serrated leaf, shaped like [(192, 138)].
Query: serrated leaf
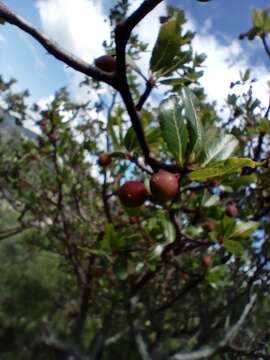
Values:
[(173, 128), (244, 229), (222, 168), (217, 147), (194, 123)]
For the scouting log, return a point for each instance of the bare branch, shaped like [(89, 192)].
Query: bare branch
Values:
[(207, 352), (53, 47), (265, 45), (122, 34), (141, 346), (12, 232), (149, 87)]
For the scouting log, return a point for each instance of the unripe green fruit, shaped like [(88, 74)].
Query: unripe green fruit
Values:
[(104, 159), (133, 194), (164, 185), (106, 63), (231, 210)]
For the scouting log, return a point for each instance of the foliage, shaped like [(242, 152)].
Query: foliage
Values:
[(84, 277)]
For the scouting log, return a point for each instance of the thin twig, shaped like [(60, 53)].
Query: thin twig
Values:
[(207, 352)]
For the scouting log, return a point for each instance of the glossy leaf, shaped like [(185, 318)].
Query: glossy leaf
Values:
[(173, 128), (234, 247), (222, 168), (244, 229), (167, 45), (194, 124), (217, 146)]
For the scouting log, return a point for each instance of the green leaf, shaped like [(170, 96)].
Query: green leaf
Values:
[(173, 128), (210, 200), (244, 229), (226, 227), (217, 147), (176, 81), (120, 268), (234, 247), (217, 275), (130, 140), (194, 123), (152, 136), (169, 230), (258, 19), (167, 45), (113, 134), (242, 180), (222, 168)]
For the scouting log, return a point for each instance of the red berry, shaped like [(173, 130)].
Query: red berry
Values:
[(207, 260), (44, 124), (209, 225), (231, 210), (133, 194), (106, 63), (104, 159), (164, 185)]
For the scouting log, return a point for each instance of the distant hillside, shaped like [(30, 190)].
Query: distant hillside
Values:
[(9, 123)]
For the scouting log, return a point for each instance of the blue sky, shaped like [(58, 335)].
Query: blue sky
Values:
[(218, 24)]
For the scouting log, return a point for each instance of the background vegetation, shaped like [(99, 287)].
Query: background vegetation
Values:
[(85, 277)]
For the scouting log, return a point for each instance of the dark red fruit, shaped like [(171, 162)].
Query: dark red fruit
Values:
[(231, 209), (164, 185), (209, 225), (44, 124), (104, 159), (184, 276), (207, 260), (133, 194), (106, 63)]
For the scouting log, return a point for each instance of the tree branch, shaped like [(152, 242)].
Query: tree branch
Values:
[(122, 34), (53, 47), (145, 95), (207, 352), (265, 45)]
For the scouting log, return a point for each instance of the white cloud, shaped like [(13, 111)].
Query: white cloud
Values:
[(223, 65), (79, 26), (148, 30), (39, 63), (226, 58), (3, 40)]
